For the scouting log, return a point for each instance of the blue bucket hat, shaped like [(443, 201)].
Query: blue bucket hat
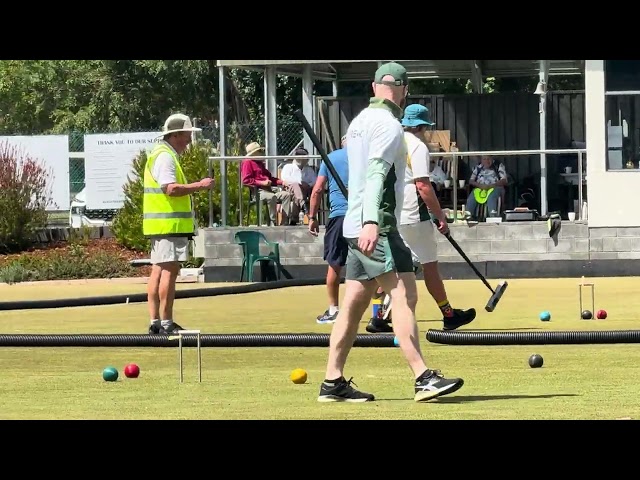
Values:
[(416, 115)]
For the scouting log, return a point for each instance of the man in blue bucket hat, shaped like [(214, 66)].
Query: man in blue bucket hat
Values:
[(416, 226)]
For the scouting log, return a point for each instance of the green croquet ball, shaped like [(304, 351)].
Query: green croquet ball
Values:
[(110, 374)]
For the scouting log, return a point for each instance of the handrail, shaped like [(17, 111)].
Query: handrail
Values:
[(562, 151), (265, 157), (494, 153), (504, 153)]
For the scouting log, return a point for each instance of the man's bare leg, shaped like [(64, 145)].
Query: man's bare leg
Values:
[(429, 384), (153, 298), (453, 318), (404, 296), (433, 282), (167, 289), (161, 293), (355, 302), (333, 285)]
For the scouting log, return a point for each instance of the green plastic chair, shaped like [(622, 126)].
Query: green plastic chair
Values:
[(250, 241)]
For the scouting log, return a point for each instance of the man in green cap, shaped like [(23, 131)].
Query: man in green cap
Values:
[(377, 253)]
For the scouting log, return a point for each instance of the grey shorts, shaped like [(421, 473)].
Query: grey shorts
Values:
[(171, 249), (391, 255)]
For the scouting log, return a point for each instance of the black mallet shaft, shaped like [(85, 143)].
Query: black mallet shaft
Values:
[(497, 293), (316, 143)]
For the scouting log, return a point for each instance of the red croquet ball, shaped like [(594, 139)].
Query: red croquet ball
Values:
[(132, 370), (602, 314)]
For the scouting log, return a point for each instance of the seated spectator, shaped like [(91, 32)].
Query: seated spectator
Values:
[(255, 174), (436, 175), (299, 178), (487, 180)]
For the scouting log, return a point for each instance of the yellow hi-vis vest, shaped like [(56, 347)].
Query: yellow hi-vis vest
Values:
[(164, 215)]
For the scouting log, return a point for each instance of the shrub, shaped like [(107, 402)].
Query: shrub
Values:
[(24, 197), (127, 224), (74, 261)]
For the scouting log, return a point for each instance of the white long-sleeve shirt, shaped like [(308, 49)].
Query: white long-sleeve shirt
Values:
[(292, 173)]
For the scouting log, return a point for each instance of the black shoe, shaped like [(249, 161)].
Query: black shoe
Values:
[(342, 391), (155, 330), (377, 325), (459, 318), (173, 327), (435, 385), (326, 318)]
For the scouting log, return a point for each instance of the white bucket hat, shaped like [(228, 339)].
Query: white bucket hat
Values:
[(178, 123)]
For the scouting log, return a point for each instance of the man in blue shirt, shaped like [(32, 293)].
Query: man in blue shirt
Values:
[(335, 245)]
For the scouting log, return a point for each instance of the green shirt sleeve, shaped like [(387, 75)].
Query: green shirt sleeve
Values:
[(376, 174)]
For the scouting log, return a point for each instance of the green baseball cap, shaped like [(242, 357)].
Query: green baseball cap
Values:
[(397, 71)]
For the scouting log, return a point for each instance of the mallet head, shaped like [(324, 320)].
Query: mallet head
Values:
[(497, 295)]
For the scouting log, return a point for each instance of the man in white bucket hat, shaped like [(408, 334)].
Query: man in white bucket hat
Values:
[(168, 218)]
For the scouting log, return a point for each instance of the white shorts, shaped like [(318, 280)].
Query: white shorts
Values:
[(165, 250), (420, 238)]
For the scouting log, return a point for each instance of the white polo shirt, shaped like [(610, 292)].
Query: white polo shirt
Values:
[(375, 133), (414, 209)]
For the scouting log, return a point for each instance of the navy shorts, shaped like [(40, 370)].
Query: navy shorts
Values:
[(336, 248)]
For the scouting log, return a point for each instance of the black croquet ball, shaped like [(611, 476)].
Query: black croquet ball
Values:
[(587, 315), (535, 361)]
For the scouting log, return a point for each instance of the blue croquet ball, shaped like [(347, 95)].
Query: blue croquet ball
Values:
[(395, 342), (110, 374), (545, 316)]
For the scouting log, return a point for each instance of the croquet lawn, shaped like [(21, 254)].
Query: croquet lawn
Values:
[(576, 381)]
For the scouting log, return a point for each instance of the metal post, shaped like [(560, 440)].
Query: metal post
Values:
[(271, 118), (270, 127), (224, 204), (543, 139), (199, 359), (454, 180), (307, 105), (240, 187), (580, 212), (180, 354), (194, 136), (180, 357)]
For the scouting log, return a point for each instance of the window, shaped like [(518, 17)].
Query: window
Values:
[(622, 112), (622, 75)]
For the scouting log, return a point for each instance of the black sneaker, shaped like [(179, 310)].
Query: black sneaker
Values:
[(435, 385), (326, 318), (173, 327), (377, 325), (155, 329), (342, 391), (459, 318)]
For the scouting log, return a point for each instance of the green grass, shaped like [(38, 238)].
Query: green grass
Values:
[(576, 382)]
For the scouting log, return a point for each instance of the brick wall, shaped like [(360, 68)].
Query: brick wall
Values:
[(526, 241)]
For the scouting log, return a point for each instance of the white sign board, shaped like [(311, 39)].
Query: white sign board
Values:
[(52, 153), (108, 164)]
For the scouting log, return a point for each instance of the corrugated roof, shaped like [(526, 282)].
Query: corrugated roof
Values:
[(356, 70)]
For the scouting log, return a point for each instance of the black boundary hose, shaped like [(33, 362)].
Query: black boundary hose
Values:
[(142, 297), (533, 338), (189, 340)]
